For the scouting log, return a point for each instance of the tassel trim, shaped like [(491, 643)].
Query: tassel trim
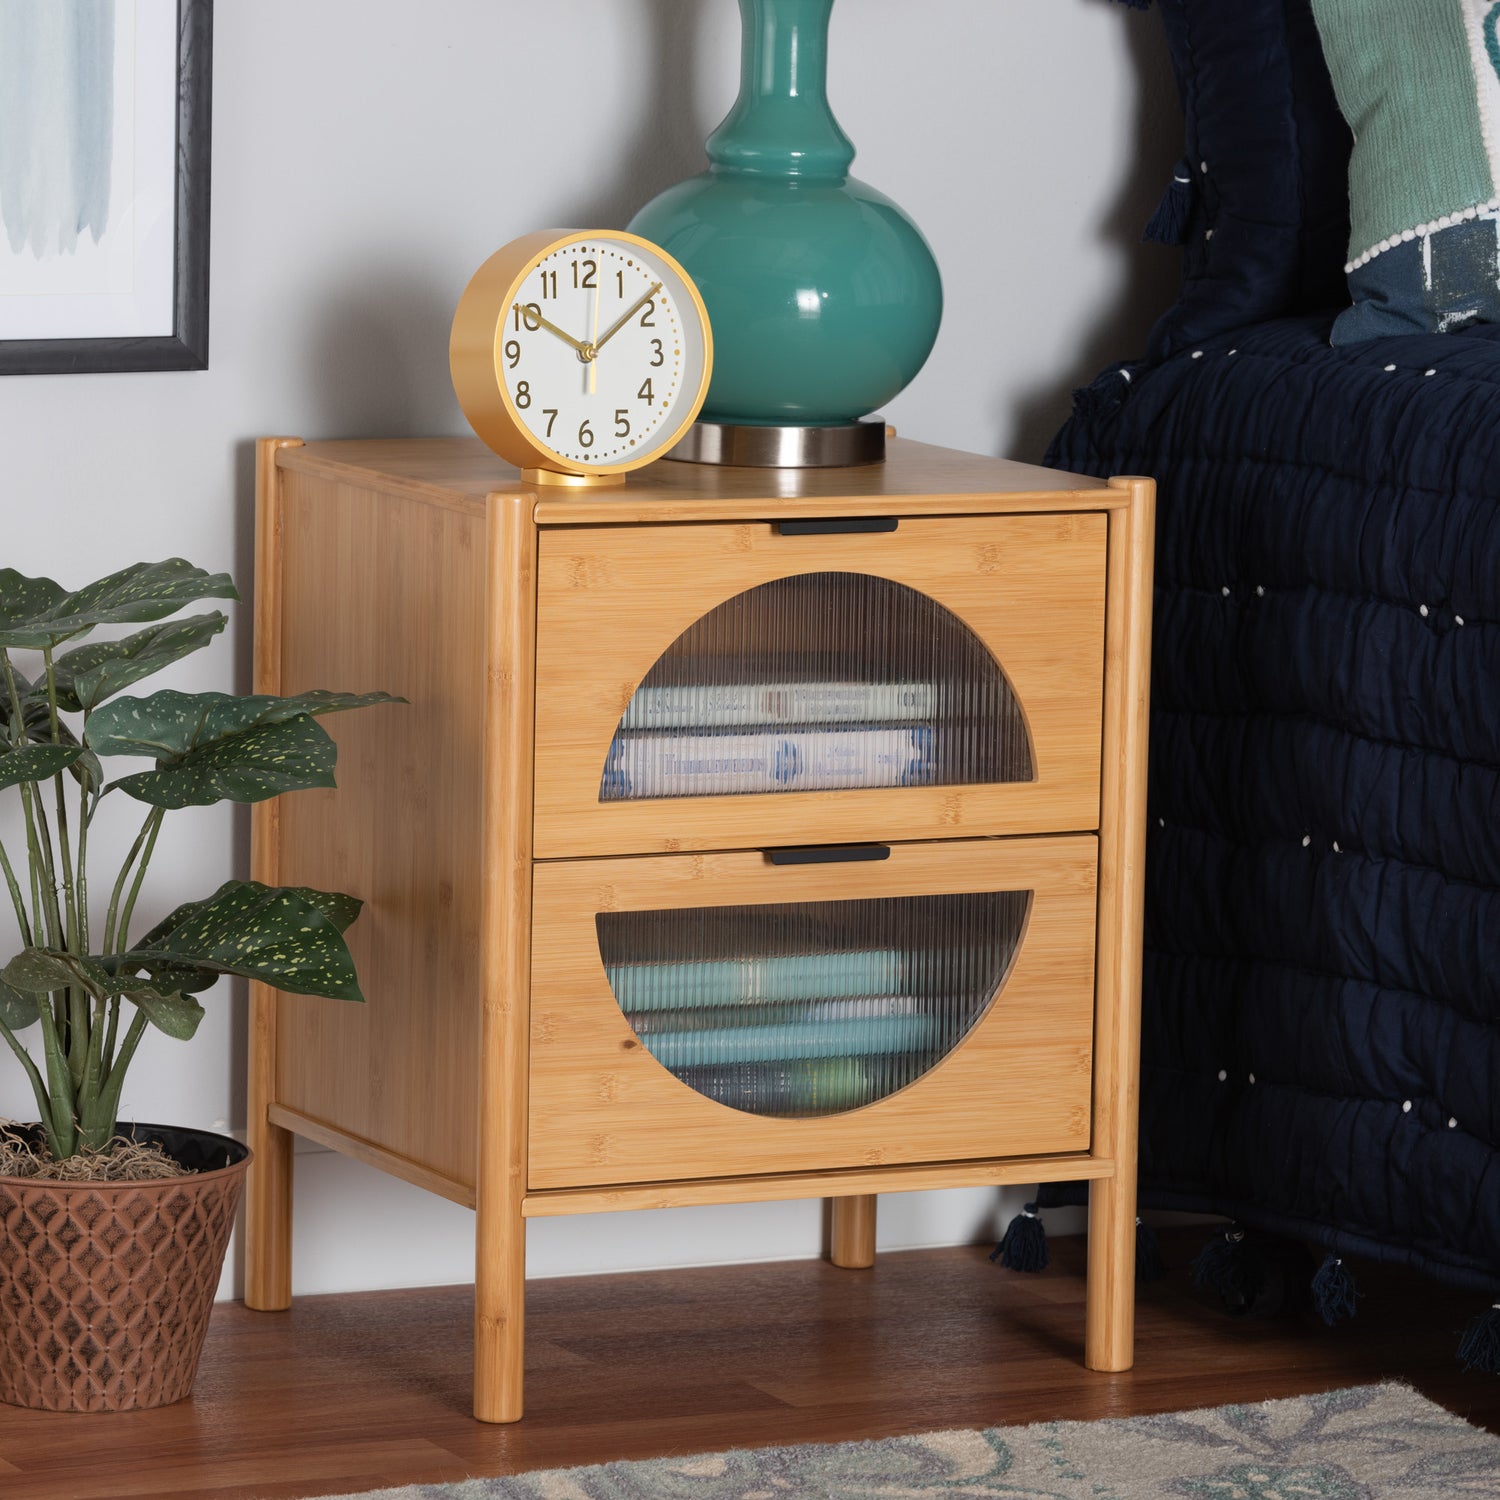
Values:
[(1149, 1265), (1169, 224), (1024, 1247), (1333, 1290), (1479, 1349)]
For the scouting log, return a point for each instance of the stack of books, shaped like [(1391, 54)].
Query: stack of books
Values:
[(716, 739)]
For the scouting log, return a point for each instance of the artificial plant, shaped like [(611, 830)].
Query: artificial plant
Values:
[(75, 974)]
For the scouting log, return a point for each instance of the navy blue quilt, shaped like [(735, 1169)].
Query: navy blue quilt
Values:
[(1322, 987)]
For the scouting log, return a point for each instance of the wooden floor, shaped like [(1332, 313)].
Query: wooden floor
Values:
[(357, 1392)]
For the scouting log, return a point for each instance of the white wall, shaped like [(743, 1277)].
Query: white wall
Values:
[(368, 154)]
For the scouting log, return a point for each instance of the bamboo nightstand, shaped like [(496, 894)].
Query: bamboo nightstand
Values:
[(750, 834)]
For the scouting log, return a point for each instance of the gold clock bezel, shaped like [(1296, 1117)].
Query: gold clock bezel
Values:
[(475, 353)]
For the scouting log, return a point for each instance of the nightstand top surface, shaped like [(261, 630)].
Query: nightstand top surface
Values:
[(463, 472)]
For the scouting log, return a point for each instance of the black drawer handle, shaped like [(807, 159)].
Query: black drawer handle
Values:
[(838, 525), (828, 854)]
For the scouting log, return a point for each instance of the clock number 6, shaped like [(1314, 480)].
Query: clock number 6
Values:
[(585, 435)]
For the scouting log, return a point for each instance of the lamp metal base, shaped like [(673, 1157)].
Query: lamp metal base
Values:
[(841, 446)]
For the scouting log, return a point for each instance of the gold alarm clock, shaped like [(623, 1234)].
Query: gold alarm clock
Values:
[(579, 355)]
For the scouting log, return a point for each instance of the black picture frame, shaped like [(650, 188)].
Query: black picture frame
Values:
[(186, 347)]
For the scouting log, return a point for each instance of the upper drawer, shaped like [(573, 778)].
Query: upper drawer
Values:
[(725, 686)]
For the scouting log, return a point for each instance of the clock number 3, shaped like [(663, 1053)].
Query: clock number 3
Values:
[(660, 357)]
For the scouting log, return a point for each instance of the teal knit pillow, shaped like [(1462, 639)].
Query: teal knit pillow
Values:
[(1419, 83)]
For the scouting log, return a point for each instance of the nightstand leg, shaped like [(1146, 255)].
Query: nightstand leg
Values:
[(852, 1244), (268, 1188), (499, 1314), (1109, 1340)]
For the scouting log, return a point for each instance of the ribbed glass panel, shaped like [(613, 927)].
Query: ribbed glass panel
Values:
[(811, 1007), (816, 681)]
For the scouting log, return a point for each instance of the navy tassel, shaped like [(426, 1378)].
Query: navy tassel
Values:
[(1228, 1266), (1105, 394), (1149, 1266), (1333, 1290), (1480, 1346), (1169, 224), (1024, 1247)]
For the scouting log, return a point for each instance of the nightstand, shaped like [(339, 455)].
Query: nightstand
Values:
[(750, 834)]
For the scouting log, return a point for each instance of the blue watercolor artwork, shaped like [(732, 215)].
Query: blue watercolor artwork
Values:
[(57, 123)]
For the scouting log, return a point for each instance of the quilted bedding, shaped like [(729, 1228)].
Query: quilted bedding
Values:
[(1322, 989)]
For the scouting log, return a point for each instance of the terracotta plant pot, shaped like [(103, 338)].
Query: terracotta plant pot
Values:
[(106, 1287)]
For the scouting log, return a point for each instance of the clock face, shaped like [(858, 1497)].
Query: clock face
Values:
[(601, 352)]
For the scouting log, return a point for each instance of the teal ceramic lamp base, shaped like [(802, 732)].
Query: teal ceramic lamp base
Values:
[(841, 445), (823, 296)]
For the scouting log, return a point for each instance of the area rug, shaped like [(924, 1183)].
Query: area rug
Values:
[(1375, 1442)]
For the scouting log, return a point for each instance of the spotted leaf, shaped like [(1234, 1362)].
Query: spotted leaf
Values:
[(37, 612), (177, 1015), (17, 1011), (210, 747), (34, 762), (39, 971), (36, 719), (257, 763), (90, 674), (289, 938)]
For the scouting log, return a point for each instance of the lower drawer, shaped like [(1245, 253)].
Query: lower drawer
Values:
[(717, 1015)]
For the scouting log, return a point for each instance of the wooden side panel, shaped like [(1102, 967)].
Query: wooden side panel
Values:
[(604, 1111), (611, 600), (1122, 894), (383, 592), (268, 1195)]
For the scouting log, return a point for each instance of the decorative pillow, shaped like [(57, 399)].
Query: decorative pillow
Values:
[(1260, 204), (1419, 83)]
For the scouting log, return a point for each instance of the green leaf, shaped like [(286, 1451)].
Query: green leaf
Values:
[(38, 613), (90, 674), (36, 718), (168, 725), (258, 763), (17, 1010), (34, 762), (177, 1015), (39, 971), (281, 936), (210, 747)]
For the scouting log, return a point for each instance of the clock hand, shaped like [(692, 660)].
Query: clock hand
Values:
[(593, 370), (585, 351), (626, 316)]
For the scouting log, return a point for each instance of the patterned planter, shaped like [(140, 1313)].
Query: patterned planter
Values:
[(106, 1287)]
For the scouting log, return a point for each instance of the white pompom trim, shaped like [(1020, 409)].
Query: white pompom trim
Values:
[(1446, 221)]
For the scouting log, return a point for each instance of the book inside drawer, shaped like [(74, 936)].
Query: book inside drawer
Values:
[(713, 686), (710, 1016)]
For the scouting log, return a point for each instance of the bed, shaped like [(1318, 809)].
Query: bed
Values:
[(1321, 1046)]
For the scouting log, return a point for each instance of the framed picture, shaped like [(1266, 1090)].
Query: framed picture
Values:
[(104, 157)]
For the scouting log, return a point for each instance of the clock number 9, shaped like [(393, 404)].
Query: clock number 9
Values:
[(531, 315), (523, 394), (585, 435), (513, 352)]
